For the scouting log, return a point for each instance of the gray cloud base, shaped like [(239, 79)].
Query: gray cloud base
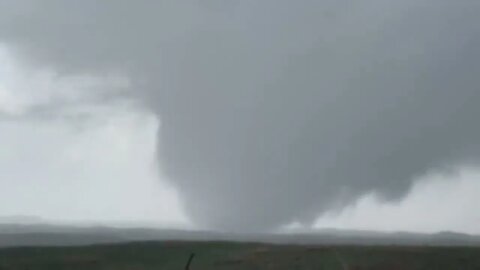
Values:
[(274, 111)]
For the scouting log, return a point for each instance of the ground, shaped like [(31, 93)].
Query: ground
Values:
[(224, 255)]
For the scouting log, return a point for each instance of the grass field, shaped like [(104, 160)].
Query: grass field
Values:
[(223, 255)]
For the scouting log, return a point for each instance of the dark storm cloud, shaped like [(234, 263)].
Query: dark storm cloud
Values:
[(274, 111)]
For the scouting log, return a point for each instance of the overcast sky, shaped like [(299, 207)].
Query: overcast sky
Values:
[(242, 115), (69, 158)]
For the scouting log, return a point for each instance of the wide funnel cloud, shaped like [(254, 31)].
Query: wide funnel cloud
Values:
[(274, 111)]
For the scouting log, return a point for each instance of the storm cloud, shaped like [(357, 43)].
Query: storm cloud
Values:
[(275, 111)]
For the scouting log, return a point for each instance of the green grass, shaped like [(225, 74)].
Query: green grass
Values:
[(223, 255)]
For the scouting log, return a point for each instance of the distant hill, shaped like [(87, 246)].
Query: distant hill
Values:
[(61, 235), (21, 219)]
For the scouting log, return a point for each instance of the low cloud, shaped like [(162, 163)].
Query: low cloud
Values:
[(276, 111)]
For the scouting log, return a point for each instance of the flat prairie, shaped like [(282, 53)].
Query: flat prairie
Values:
[(231, 255)]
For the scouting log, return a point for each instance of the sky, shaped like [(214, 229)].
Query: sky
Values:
[(79, 161), (242, 116)]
